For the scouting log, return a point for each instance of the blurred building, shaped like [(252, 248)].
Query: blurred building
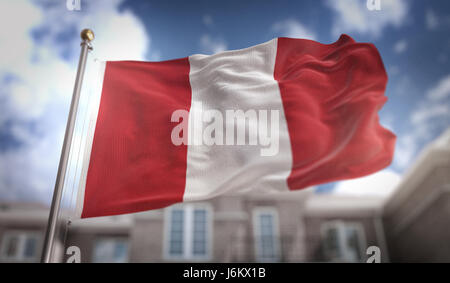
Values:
[(417, 216), (411, 225)]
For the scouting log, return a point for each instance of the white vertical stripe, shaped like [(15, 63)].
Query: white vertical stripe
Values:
[(95, 95), (231, 80)]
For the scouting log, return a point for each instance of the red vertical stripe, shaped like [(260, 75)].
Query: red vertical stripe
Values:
[(134, 165), (331, 95)]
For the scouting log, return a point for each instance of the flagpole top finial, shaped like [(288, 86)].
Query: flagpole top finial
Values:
[(87, 35)]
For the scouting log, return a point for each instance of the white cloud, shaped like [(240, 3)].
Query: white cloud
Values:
[(212, 45), (429, 116), (16, 44), (387, 120), (353, 16), (119, 35), (292, 28), (400, 46), (380, 184), (431, 20), (435, 106), (393, 70), (424, 114), (36, 80), (208, 21), (441, 91), (405, 150)]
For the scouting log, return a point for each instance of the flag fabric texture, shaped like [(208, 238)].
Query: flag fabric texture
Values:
[(327, 96)]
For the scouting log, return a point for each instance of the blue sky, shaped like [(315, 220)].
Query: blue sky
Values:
[(41, 45)]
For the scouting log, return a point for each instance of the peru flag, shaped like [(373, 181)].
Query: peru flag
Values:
[(168, 132)]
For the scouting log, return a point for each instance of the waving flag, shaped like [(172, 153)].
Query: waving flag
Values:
[(162, 134)]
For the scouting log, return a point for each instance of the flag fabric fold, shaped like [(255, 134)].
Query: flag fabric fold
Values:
[(320, 102)]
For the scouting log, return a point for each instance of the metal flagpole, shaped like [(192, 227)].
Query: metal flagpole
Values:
[(87, 36)]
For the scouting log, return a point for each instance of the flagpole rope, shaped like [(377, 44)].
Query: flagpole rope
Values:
[(87, 101)]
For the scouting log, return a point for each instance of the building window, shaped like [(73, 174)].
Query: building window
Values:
[(266, 234), (199, 232), (114, 250), (176, 232), (343, 241), (188, 232), (20, 246)]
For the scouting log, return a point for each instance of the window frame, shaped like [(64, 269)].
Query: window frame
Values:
[(344, 250), (22, 236), (276, 233), (188, 232)]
